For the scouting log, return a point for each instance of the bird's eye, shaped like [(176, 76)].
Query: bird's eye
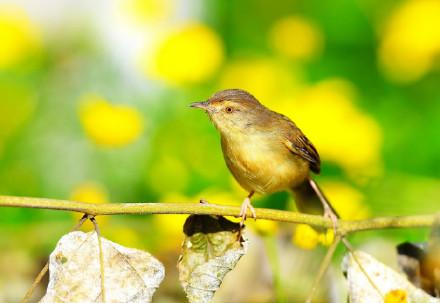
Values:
[(229, 109)]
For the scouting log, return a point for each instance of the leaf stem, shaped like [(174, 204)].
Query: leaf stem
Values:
[(323, 267), (101, 259), (361, 267)]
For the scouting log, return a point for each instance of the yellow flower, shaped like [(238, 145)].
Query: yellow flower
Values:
[(266, 79), (341, 132), (90, 192), (124, 236), (144, 11), (296, 38), (109, 125), (411, 40), (305, 237), (170, 227), (348, 202), (326, 238), (190, 54), (18, 35), (396, 296), (262, 227)]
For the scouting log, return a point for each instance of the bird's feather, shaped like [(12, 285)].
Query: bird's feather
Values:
[(298, 144)]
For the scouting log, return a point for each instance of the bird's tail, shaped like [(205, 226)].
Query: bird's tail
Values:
[(308, 200)]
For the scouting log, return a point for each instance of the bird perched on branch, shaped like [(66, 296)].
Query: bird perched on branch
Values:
[(265, 151)]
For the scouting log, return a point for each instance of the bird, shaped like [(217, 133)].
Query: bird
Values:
[(266, 152)]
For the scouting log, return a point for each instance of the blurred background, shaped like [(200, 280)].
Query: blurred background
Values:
[(94, 107)]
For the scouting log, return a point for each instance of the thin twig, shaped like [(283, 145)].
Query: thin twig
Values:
[(344, 227), (34, 285), (43, 271), (353, 253), (323, 267), (101, 258)]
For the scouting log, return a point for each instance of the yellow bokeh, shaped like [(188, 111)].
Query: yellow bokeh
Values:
[(19, 36), (341, 132), (296, 38), (107, 124), (190, 54), (145, 11), (124, 236), (262, 227), (348, 202), (266, 79), (396, 296), (411, 40), (90, 192), (305, 237), (170, 227), (326, 238)]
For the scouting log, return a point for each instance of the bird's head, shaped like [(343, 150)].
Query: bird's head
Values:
[(232, 109)]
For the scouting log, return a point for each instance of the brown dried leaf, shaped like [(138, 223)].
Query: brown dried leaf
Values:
[(131, 275), (211, 249)]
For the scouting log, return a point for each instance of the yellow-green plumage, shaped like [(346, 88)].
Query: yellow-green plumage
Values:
[(265, 151), (261, 163)]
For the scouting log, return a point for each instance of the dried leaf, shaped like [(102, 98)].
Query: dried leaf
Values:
[(211, 249), (131, 275), (386, 280)]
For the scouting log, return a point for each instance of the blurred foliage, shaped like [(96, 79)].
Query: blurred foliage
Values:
[(93, 107)]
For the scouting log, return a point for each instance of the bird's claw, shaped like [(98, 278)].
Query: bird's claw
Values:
[(330, 214), (243, 211)]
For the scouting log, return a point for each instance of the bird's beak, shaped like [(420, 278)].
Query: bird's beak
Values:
[(203, 105)]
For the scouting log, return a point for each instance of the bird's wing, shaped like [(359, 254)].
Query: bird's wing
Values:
[(298, 144)]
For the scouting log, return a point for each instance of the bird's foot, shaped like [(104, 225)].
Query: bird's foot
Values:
[(330, 214), (243, 211)]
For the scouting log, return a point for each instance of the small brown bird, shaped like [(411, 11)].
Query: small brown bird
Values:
[(265, 151)]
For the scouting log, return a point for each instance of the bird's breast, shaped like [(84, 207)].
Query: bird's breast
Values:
[(261, 162)]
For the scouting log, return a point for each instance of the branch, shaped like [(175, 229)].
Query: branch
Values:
[(344, 226), (323, 267)]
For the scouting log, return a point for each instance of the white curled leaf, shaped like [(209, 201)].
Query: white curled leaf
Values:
[(130, 275), (212, 247), (386, 280)]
